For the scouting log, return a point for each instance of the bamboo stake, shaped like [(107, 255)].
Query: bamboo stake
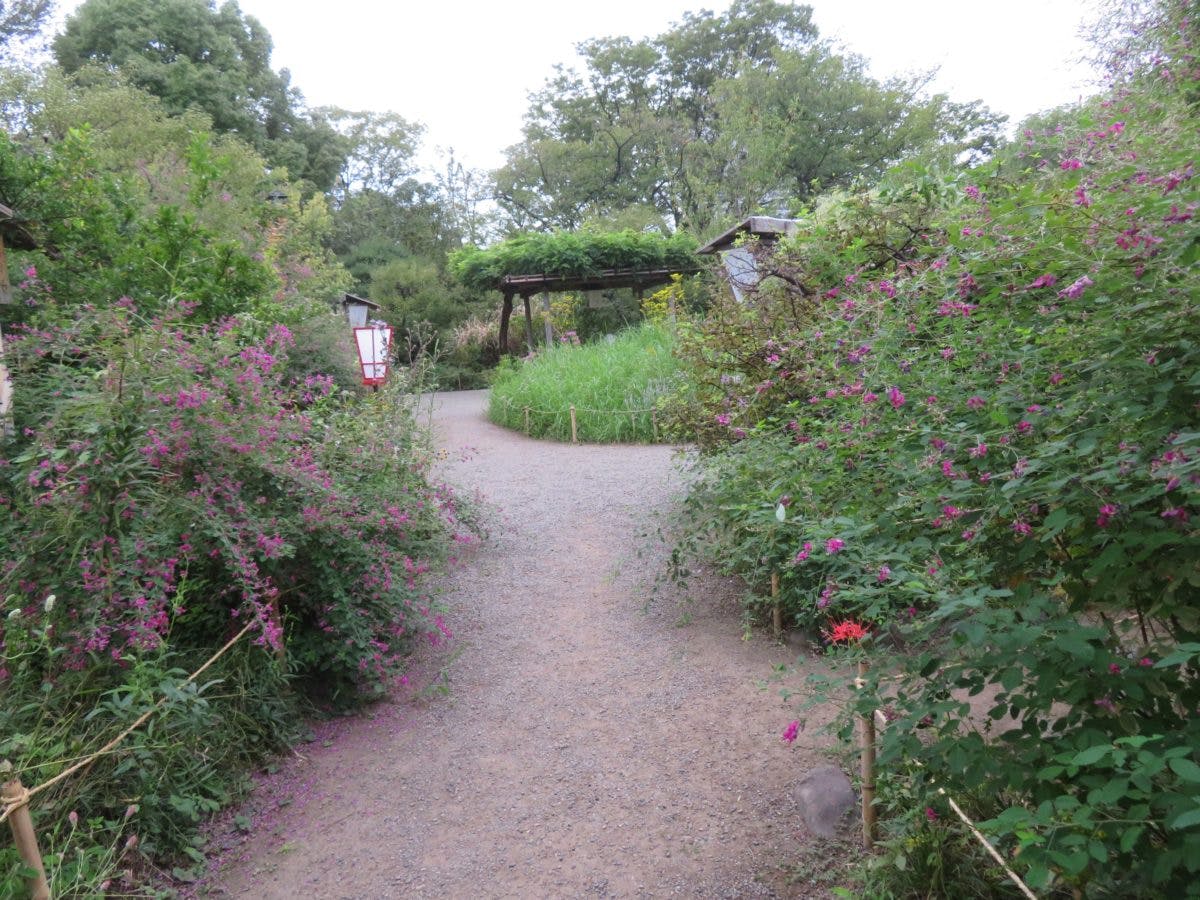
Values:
[(574, 433), (654, 422), (16, 798), (527, 421), (776, 609), (867, 724)]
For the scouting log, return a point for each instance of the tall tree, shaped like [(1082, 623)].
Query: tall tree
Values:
[(190, 53), (677, 125), (20, 22)]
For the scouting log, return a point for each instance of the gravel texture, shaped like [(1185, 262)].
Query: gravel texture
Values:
[(602, 732)]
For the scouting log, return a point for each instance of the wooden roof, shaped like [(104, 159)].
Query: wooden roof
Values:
[(767, 228), (527, 285)]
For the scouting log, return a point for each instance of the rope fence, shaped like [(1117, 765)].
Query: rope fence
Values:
[(15, 797), (876, 723), (572, 411)]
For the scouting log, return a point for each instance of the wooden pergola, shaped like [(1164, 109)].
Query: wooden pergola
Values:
[(525, 286)]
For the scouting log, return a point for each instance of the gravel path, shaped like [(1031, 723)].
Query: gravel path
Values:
[(595, 739)]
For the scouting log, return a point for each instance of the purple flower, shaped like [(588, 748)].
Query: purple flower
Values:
[(789, 733), (834, 545), (1076, 288), (1067, 164), (895, 397), (884, 574)]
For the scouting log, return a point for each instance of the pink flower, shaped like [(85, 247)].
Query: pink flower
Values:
[(789, 733), (931, 814), (804, 551), (1046, 280), (723, 418), (1056, 377), (1114, 669), (978, 451), (884, 574), (1076, 288), (1107, 511), (1024, 426), (1082, 198), (971, 191), (73, 818), (895, 397), (1067, 164), (834, 545), (1020, 526), (975, 402)]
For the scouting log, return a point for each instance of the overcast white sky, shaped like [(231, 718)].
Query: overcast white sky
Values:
[(465, 67)]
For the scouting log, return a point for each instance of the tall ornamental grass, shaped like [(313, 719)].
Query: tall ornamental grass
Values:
[(613, 385)]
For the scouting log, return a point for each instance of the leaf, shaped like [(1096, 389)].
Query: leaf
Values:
[(1185, 769), (1130, 838), (1187, 819), (1091, 755)]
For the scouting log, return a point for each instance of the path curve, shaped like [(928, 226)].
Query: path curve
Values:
[(592, 742)]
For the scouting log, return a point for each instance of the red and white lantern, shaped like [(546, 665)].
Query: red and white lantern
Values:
[(374, 349)]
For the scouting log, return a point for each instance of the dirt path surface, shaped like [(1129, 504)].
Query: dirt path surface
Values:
[(594, 741)]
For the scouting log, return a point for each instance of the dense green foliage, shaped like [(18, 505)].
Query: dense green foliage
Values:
[(965, 419), (564, 253), (720, 115), (614, 387), (189, 455)]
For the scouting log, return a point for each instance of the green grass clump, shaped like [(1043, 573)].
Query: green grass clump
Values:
[(613, 387)]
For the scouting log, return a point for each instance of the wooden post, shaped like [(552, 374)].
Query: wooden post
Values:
[(654, 423), (505, 315), (15, 796), (867, 724), (527, 420), (528, 324), (574, 433), (546, 313), (776, 609)]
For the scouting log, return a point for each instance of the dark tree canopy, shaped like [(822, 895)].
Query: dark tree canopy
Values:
[(191, 53)]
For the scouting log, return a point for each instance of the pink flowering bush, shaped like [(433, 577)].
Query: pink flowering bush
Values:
[(990, 394)]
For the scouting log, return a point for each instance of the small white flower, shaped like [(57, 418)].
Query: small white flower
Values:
[(48, 603)]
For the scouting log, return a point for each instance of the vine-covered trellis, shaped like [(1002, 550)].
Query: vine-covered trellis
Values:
[(549, 263)]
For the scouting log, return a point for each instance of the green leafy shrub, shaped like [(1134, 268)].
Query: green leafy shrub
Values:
[(969, 425), (614, 387)]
